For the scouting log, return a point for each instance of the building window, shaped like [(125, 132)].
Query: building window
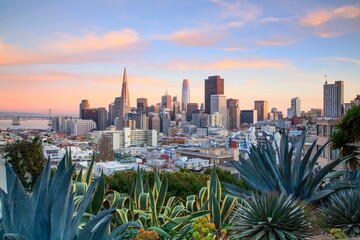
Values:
[(319, 130), (325, 152), (334, 154), (325, 131)]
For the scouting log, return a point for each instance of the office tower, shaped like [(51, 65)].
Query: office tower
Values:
[(290, 113), (248, 116), (214, 85), (102, 118), (261, 106), (90, 114), (216, 119), (83, 105), (166, 101), (125, 101), (141, 120), (295, 105), (141, 105), (333, 99), (185, 94), (111, 114), (218, 105), (234, 113), (190, 108), (117, 106)]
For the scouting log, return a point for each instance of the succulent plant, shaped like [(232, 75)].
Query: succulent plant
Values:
[(49, 212), (271, 216), (342, 210), (282, 171)]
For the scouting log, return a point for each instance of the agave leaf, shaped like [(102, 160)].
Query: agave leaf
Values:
[(14, 236), (184, 232), (79, 176), (143, 201), (162, 194), (6, 221), (139, 188), (215, 209), (121, 228), (98, 197), (227, 207), (89, 171), (101, 219)]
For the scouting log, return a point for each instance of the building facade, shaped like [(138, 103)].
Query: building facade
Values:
[(83, 105), (261, 106), (233, 108), (333, 99), (248, 116), (296, 107), (214, 85), (218, 105), (124, 101), (185, 94)]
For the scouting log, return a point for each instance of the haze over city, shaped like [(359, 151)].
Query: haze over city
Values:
[(54, 54)]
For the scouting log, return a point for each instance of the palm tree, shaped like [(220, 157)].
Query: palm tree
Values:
[(346, 136)]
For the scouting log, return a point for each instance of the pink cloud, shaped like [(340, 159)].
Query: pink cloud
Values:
[(321, 17), (230, 64), (194, 37), (278, 41), (68, 49), (353, 60)]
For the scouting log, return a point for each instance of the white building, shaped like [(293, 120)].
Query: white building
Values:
[(192, 164), (127, 137), (81, 126), (111, 167), (216, 120), (218, 105)]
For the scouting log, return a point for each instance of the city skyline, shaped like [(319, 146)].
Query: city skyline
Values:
[(53, 57)]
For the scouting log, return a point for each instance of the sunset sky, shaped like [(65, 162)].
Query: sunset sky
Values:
[(55, 53)]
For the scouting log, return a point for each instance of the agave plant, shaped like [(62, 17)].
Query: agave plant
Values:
[(342, 210), (271, 216), (211, 198), (282, 171), (49, 212)]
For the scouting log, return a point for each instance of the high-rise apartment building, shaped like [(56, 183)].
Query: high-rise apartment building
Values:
[(83, 105), (185, 95), (218, 105), (333, 99), (166, 101), (124, 102), (233, 113), (296, 107), (261, 106), (214, 85)]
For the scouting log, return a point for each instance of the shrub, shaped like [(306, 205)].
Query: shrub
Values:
[(270, 217), (342, 210)]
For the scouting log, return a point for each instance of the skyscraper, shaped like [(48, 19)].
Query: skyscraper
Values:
[(262, 109), (295, 106), (234, 113), (101, 118), (141, 105), (185, 97), (214, 85), (166, 101), (190, 108), (83, 105), (124, 102), (333, 99), (218, 105)]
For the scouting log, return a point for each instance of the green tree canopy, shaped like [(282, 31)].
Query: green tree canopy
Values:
[(346, 136), (26, 159)]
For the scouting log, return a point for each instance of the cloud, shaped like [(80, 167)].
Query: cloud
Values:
[(238, 9), (353, 60), (69, 49), (278, 41), (90, 42), (194, 37), (230, 64), (321, 17), (233, 49)]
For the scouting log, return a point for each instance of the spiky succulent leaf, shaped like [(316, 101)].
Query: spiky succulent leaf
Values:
[(342, 210), (270, 217)]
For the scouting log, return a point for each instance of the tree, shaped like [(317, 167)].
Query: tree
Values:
[(346, 136), (26, 159)]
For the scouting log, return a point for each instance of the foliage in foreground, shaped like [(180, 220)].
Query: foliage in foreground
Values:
[(346, 137), (49, 212), (26, 159), (270, 217), (342, 210), (269, 171)]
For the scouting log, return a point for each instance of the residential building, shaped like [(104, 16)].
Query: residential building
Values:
[(333, 99)]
